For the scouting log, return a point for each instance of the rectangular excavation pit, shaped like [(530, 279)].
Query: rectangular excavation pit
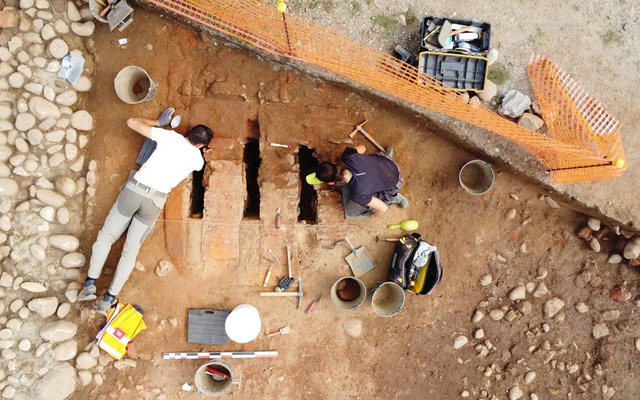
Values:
[(308, 205), (251, 159), (197, 194)]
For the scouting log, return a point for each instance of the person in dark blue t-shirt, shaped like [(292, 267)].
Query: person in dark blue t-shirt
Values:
[(369, 183)]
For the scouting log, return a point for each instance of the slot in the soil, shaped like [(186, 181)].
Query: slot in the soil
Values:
[(251, 160), (308, 197), (197, 194)]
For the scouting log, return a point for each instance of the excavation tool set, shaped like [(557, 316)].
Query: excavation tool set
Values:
[(452, 51)]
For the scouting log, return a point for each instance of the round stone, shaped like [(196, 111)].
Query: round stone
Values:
[(8, 187), (24, 122), (67, 98), (83, 84), (44, 306), (73, 260), (58, 48), (63, 310), (16, 80), (82, 120), (63, 216), (43, 109), (58, 383), (85, 361), (58, 331), (66, 186), (64, 242), (24, 345), (50, 197), (83, 29), (65, 350)]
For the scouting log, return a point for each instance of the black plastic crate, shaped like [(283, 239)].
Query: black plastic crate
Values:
[(462, 72), (484, 43)]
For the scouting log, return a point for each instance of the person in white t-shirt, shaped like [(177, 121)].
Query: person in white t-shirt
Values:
[(141, 200)]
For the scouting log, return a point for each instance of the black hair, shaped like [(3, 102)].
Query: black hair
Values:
[(200, 134), (328, 172)]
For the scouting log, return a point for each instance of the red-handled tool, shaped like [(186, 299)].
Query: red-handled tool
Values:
[(215, 373), (278, 219), (313, 305)]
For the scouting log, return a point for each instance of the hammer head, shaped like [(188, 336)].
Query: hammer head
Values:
[(358, 127)]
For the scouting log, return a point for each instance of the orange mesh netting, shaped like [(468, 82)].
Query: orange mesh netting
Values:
[(585, 140)]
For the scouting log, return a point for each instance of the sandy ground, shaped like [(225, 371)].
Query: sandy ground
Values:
[(411, 355)]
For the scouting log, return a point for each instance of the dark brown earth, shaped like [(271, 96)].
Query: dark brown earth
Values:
[(409, 356)]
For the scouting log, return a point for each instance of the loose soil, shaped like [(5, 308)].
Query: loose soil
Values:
[(409, 356)]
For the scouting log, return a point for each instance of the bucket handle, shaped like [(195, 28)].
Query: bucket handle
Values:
[(236, 381)]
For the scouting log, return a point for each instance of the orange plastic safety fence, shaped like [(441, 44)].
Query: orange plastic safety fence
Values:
[(584, 140)]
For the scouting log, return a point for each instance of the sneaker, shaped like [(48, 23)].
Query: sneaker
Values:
[(87, 293), (102, 306), (389, 151), (401, 201)]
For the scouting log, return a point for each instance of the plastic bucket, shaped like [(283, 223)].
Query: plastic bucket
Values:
[(387, 299), (476, 177), (214, 385), (96, 8), (348, 293), (134, 85)]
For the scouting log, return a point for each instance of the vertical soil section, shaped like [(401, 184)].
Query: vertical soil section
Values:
[(308, 196), (251, 160)]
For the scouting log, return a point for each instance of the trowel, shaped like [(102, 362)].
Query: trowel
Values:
[(360, 260)]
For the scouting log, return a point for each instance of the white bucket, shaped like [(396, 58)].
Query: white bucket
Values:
[(134, 85), (387, 299), (476, 177), (243, 324)]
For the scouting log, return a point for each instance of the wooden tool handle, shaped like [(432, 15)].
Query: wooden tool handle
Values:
[(289, 261), (461, 30), (279, 294), (353, 249), (266, 279)]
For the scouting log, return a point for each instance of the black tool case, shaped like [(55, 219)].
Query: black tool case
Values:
[(484, 43), (462, 72)]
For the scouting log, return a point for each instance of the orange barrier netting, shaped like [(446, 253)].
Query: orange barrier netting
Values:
[(585, 140)]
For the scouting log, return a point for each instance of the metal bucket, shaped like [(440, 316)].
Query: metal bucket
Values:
[(134, 85), (96, 8), (214, 386), (476, 177), (348, 293), (387, 299)]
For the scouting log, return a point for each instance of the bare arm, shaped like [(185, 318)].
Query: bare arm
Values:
[(142, 125), (360, 149), (378, 206)]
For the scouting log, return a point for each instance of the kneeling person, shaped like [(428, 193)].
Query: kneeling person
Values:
[(369, 183)]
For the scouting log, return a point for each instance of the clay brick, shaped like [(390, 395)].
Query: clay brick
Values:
[(224, 149), (279, 191), (223, 210), (227, 118), (330, 207), (177, 208)]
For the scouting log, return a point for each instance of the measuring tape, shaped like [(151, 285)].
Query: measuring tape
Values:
[(219, 355)]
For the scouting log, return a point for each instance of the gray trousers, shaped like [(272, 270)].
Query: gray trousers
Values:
[(137, 210), (353, 210)]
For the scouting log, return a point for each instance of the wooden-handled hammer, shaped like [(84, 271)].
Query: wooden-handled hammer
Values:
[(366, 135)]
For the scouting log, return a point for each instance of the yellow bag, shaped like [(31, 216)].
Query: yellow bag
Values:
[(123, 324)]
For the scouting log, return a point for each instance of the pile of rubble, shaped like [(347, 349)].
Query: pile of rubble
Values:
[(46, 190), (579, 363)]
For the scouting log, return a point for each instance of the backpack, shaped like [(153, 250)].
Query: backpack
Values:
[(415, 265)]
